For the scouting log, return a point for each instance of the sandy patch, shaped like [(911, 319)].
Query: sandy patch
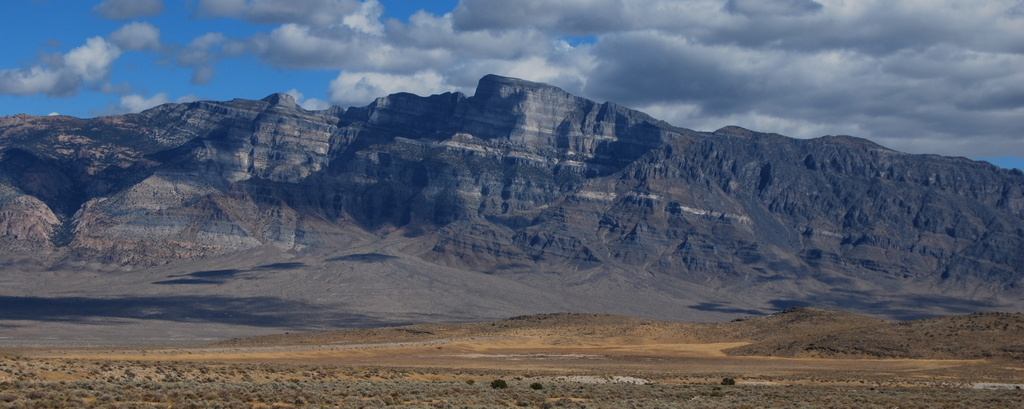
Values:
[(986, 385), (602, 379)]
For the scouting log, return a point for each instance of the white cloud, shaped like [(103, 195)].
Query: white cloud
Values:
[(689, 115), (137, 103), (571, 16), (922, 70), (314, 104), (92, 61), (221, 8), (853, 75), (308, 12), (758, 8), (311, 104), (202, 53), (203, 75), (570, 75), (798, 67), (293, 45), (361, 88), (89, 63), (128, 9), (428, 32), (367, 19), (137, 36), (28, 81), (187, 98), (920, 75), (300, 46)]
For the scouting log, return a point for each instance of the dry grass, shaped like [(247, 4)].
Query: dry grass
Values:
[(42, 383), (974, 336), (580, 360)]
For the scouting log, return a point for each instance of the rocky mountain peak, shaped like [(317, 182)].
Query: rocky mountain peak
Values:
[(853, 141), (499, 87), (737, 131), (282, 100)]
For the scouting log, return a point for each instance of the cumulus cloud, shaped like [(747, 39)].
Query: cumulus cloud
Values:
[(308, 12), (758, 8), (61, 75), (137, 36), (137, 103), (311, 104), (366, 19), (294, 45), (221, 8), (917, 76), (429, 32), (920, 76), (590, 17), (202, 54), (361, 88), (134, 103), (203, 75), (128, 9), (574, 17), (35, 80), (187, 98), (923, 92), (921, 80), (201, 50), (92, 61), (299, 46)]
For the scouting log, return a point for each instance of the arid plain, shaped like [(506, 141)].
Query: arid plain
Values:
[(803, 357)]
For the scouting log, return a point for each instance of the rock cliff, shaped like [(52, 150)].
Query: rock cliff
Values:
[(521, 178)]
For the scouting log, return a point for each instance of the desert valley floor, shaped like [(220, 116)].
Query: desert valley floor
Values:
[(795, 358)]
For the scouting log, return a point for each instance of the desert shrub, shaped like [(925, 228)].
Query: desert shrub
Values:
[(470, 381), (728, 381), (536, 386), (499, 384)]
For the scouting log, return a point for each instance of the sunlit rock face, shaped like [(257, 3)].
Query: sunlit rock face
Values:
[(521, 177)]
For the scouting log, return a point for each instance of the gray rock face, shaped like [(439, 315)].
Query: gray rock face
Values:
[(519, 178)]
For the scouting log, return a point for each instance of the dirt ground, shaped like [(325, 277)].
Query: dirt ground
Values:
[(661, 362), (562, 361)]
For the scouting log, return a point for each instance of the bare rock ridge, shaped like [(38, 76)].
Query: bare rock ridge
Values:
[(526, 180)]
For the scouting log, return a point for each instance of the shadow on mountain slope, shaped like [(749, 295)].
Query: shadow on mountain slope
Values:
[(724, 307), (222, 276), (907, 307), (267, 312)]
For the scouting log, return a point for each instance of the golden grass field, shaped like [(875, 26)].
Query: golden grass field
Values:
[(570, 360)]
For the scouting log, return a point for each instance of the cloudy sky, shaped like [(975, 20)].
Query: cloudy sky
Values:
[(922, 76)]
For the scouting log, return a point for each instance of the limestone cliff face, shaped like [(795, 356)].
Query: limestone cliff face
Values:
[(26, 223), (519, 177), (751, 208)]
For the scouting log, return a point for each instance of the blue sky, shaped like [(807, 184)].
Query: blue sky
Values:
[(938, 76), (146, 73)]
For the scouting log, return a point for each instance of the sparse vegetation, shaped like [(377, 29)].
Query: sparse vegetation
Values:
[(575, 365), (499, 384), (58, 383), (62, 234)]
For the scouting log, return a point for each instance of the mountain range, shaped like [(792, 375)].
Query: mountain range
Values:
[(521, 198)]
